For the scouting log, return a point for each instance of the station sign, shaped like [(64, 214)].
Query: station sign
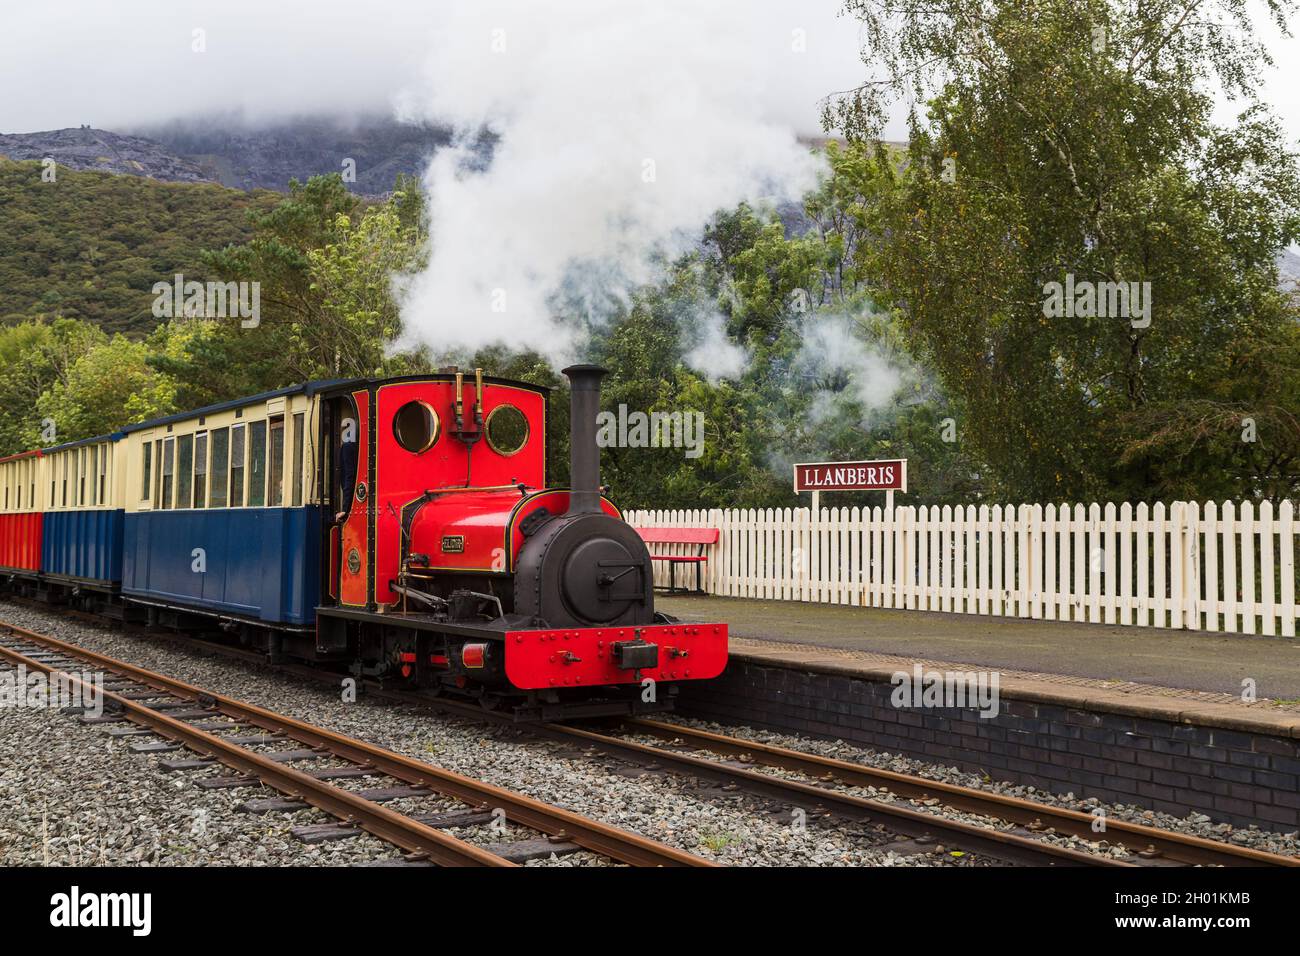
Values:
[(890, 475)]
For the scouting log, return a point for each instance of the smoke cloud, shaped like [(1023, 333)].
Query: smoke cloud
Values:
[(835, 353), (621, 129), (712, 354)]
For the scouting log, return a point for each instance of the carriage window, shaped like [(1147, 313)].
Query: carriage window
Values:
[(277, 461), (257, 464), (220, 462), (91, 472), (103, 474), (165, 488), (201, 470), (66, 459), (184, 470), (415, 426), (237, 442), (147, 468), (297, 458), (506, 430)]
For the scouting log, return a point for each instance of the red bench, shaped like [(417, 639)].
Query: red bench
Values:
[(701, 536)]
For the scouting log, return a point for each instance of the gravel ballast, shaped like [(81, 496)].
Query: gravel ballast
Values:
[(71, 795), (145, 814), (1195, 824)]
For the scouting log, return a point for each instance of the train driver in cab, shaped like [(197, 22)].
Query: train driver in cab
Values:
[(347, 465)]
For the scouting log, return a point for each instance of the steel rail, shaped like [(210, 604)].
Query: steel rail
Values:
[(386, 824), (592, 835), (1185, 848), (995, 843), (1009, 847), (1173, 846)]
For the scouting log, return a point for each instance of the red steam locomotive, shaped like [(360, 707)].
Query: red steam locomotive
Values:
[(464, 571)]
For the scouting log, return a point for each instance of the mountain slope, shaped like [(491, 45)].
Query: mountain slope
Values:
[(91, 245), (99, 150), (241, 156), (267, 157)]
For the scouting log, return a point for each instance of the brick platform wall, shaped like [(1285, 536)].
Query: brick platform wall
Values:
[(1240, 778)]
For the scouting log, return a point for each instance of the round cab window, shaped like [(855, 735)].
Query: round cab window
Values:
[(415, 426), (507, 430)]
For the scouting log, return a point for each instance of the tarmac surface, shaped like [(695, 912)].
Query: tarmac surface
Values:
[(1185, 660)]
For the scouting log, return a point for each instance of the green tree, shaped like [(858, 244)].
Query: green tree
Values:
[(1073, 138), (34, 358), (793, 401), (325, 263), (278, 258), (357, 320), (108, 386)]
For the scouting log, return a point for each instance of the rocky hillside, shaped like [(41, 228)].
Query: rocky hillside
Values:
[(97, 150), (267, 157), (242, 156)]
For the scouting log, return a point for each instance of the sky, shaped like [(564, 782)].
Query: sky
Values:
[(624, 123), (128, 63)]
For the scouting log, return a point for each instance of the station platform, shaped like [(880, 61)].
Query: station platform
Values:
[(1187, 677)]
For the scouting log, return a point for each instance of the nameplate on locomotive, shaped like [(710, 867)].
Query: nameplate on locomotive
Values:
[(453, 544)]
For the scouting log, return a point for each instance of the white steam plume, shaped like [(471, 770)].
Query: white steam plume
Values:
[(832, 346), (623, 128), (712, 354)]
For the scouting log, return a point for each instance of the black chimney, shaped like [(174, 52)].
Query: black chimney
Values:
[(584, 455)]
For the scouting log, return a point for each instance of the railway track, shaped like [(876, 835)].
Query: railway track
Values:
[(217, 729), (680, 746), (733, 762), (1024, 842)]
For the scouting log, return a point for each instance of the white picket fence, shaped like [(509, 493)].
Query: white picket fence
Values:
[(1210, 567)]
